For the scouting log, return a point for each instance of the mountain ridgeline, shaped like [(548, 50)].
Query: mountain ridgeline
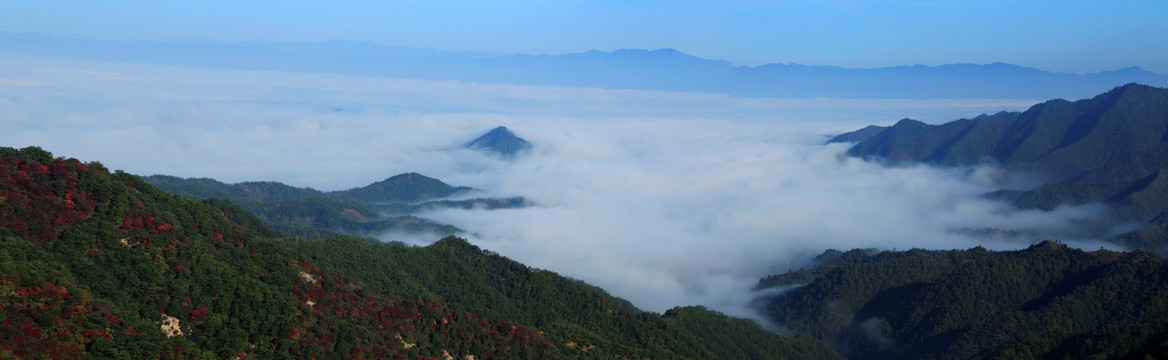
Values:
[(95, 264), (401, 188), (1112, 148), (381, 207)]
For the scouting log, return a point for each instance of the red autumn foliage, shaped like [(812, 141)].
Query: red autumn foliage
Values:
[(30, 333), (199, 313), (333, 297), (40, 201)]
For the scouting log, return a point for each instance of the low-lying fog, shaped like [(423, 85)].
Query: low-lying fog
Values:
[(660, 198)]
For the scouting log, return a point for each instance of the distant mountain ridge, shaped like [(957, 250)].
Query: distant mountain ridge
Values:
[(663, 69), (406, 188), (378, 208), (1112, 148), (202, 188)]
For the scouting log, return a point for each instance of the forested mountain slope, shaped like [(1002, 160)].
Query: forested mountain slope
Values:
[(1112, 148), (102, 265), (1043, 302)]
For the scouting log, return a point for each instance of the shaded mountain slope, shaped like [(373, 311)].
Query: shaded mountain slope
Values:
[(1026, 304), (107, 266), (1112, 148)]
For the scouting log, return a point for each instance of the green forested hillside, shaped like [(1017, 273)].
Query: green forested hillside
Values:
[(1112, 149), (102, 265), (579, 313), (1041, 302)]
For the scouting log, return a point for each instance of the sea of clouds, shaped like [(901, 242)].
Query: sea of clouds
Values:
[(661, 198)]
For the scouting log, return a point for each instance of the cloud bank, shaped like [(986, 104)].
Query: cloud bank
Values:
[(661, 198)]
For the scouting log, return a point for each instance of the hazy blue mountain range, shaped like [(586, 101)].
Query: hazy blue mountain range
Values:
[(1111, 148), (500, 141), (664, 69)]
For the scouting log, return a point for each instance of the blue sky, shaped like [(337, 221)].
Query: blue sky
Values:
[(1074, 36)]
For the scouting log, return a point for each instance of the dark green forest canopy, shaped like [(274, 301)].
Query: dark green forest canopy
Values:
[(1041, 302)]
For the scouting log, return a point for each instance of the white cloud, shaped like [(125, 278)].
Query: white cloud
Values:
[(661, 198)]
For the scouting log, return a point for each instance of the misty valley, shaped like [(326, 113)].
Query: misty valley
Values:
[(1035, 233), (351, 200)]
